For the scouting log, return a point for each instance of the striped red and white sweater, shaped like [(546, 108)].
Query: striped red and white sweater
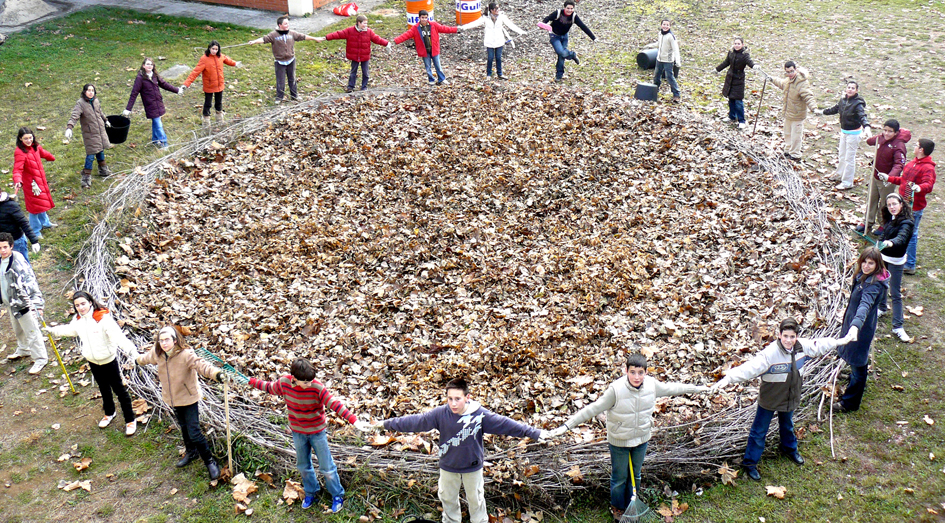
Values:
[(306, 405)]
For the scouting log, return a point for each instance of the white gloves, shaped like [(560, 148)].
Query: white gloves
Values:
[(126, 113), (544, 434), (852, 335), (35, 188), (558, 431), (180, 90), (68, 134), (819, 112), (390, 44), (884, 244), (35, 247), (716, 71), (239, 64), (915, 187), (363, 426), (883, 176), (721, 384), (107, 123)]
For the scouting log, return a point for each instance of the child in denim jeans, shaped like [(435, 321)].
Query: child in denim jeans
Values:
[(306, 399)]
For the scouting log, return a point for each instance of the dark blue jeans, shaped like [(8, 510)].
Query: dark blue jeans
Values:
[(100, 156), (560, 45), (21, 245), (736, 110), (759, 431), (854, 394), (365, 77), (621, 489), (665, 69), (913, 242), (895, 291), (493, 53), (188, 417)]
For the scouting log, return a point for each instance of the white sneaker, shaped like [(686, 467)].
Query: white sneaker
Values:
[(843, 186), (879, 313), (15, 356), (901, 334), (742, 125), (106, 420), (37, 367), (130, 428)]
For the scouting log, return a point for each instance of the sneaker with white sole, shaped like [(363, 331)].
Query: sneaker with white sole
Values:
[(131, 428), (879, 313), (337, 503), (742, 125), (15, 356), (901, 334), (843, 186), (106, 420), (37, 367)]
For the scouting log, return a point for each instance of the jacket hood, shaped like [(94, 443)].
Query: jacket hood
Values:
[(925, 159), (802, 74), (471, 407), (904, 135), (883, 276)]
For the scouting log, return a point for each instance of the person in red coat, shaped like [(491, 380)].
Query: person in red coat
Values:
[(357, 48), (210, 67), (426, 34), (29, 174), (917, 180)]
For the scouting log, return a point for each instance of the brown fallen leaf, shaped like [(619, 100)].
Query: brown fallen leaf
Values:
[(140, 406), (728, 474), (242, 488), (777, 492), (669, 513), (264, 476), (575, 474), (292, 492), (82, 464)]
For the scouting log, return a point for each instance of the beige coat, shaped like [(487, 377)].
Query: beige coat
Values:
[(92, 121), (798, 97), (177, 372)]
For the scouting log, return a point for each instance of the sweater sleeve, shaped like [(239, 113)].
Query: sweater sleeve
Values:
[(167, 86), (606, 401), (929, 182), (148, 358), (493, 423), (135, 89), (271, 387), (444, 28), (748, 61), (867, 299), (750, 369), (862, 115), (673, 388), (808, 96), (550, 18), (336, 405), (511, 25), (76, 114), (587, 31), (413, 423)]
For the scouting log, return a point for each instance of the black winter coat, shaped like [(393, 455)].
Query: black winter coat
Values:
[(13, 221), (865, 297), (899, 234), (852, 112), (736, 61)]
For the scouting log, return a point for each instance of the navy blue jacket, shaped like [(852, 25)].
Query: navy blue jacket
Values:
[(865, 297)]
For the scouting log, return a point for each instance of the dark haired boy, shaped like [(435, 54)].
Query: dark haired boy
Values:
[(779, 365), (461, 423), (426, 36), (20, 295), (629, 403), (917, 180), (306, 399), (283, 53)]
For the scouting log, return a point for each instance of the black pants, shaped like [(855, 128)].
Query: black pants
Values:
[(365, 77), (282, 71), (188, 417), (108, 377), (216, 98)]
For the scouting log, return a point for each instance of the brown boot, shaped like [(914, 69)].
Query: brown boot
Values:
[(86, 178), (103, 170), (206, 122)]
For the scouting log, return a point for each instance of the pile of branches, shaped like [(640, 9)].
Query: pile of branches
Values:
[(527, 239)]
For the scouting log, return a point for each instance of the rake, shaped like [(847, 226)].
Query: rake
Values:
[(58, 357), (226, 400), (638, 511)]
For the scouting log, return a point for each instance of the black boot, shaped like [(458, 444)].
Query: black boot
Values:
[(189, 456), (213, 469)]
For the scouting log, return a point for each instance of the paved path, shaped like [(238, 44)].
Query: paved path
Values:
[(214, 13)]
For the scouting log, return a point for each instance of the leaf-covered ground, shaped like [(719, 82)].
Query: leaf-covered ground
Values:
[(524, 237)]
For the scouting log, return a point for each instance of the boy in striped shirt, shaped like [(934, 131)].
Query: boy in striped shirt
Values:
[(306, 399)]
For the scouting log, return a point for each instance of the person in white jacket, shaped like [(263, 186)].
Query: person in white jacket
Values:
[(629, 403), (779, 365), (494, 36), (100, 338)]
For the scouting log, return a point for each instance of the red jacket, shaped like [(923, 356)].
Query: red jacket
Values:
[(358, 45), (891, 155), (28, 168), (212, 69), (435, 31), (920, 171)]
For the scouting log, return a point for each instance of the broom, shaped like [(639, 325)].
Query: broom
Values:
[(638, 511)]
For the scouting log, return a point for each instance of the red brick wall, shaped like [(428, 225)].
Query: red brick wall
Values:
[(281, 6)]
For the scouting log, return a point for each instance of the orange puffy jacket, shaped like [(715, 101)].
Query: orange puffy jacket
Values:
[(212, 69)]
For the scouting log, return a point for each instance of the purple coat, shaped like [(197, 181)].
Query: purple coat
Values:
[(150, 90)]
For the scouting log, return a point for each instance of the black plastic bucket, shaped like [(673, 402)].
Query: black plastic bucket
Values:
[(118, 132), (646, 92), (646, 59)]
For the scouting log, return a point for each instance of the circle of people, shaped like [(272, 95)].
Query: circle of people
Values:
[(629, 401)]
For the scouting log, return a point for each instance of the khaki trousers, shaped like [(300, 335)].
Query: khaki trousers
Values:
[(29, 339), (475, 496), (793, 136), (877, 202)]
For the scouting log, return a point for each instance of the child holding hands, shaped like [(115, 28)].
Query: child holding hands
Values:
[(358, 39)]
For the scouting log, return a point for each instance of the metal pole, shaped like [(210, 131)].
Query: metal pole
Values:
[(58, 357), (760, 101)]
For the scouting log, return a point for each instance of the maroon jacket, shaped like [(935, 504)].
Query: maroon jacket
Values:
[(435, 31), (358, 45), (890, 155), (151, 97), (920, 171), (28, 168)]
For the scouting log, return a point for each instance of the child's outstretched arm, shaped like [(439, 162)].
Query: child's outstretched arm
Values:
[(413, 423), (746, 371), (494, 423)]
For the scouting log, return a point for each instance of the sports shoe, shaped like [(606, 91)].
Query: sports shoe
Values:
[(131, 428), (753, 473), (742, 125), (106, 421), (910, 272), (881, 312), (431, 82), (901, 334), (503, 77), (575, 58), (337, 503), (37, 367), (443, 81), (278, 101), (559, 80), (676, 100), (307, 502), (843, 186), (861, 228), (15, 356)]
